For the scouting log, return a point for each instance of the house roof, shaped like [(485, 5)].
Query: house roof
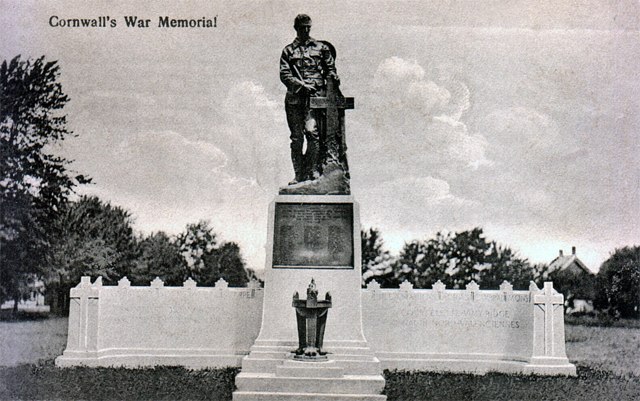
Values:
[(563, 262)]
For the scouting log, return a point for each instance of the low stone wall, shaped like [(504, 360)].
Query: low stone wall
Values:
[(468, 330), (145, 326)]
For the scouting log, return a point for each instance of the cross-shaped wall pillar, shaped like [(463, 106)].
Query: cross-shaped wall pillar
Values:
[(83, 314), (548, 353)]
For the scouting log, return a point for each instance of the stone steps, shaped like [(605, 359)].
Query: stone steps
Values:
[(359, 367), (347, 384), (261, 396), (352, 364), (327, 369)]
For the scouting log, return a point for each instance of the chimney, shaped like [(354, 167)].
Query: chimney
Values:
[(573, 250), (560, 252)]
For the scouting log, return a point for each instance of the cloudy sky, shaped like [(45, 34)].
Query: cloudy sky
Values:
[(519, 117)]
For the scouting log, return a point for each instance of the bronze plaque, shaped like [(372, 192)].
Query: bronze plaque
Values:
[(313, 235)]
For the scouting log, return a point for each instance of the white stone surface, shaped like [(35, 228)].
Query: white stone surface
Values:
[(146, 326), (309, 369), (446, 330), (355, 372), (469, 330), (344, 322)]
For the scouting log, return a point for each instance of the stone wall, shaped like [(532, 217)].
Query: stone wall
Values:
[(156, 325), (469, 330), (466, 330)]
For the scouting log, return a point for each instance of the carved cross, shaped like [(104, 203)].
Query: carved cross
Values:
[(546, 300), (334, 105)]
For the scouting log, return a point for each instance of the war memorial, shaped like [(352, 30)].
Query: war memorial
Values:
[(312, 332)]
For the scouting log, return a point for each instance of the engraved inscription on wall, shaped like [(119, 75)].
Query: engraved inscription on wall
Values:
[(313, 235)]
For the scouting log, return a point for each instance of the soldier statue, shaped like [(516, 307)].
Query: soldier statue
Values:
[(305, 66)]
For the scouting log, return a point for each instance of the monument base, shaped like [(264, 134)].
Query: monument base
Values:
[(264, 376), (312, 237)]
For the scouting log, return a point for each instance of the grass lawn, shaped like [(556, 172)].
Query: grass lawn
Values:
[(607, 359)]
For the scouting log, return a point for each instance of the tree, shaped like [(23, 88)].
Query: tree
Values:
[(502, 263), (469, 252), (618, 283), (574, 284), (159, 256), (92, 238), (457, 259), (195, 243), (207, 260), (422, 263), (377, 264), (372, 244), (226, 262), (540, 274), (34, 184)]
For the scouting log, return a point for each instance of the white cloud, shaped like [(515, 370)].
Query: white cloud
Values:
[(228, 174), (397, 71), (526, 133), (414, 205), (254, 135), (458, 143), (419, 121), (160, 164)]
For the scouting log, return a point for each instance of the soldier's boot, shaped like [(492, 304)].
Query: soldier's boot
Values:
[(297, 160)]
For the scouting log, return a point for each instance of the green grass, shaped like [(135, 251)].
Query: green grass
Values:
[(29, 340), (601, 320), (46, 382), (606, 358), (590, 384)]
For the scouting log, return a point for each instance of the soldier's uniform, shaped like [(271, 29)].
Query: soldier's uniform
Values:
[(312, 63)]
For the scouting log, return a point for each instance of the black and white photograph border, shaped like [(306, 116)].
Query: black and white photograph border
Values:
[(493, 180)]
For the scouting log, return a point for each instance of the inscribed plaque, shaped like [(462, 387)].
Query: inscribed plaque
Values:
[(313, 235)]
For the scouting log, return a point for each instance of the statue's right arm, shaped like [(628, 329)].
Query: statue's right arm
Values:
[(286, 74)]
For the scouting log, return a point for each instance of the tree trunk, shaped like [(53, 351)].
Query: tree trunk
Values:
[(14, 312)]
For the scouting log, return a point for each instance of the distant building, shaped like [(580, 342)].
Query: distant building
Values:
[(33, 302), (575, 280)]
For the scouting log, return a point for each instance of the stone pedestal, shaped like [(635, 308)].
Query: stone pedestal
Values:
[(311, 237)]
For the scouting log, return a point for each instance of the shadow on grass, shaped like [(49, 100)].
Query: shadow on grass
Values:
[(7, 315)]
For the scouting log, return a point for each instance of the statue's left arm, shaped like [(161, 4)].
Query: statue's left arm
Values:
[(329, 63)]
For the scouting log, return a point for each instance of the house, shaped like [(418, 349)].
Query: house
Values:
[(33, 302), (575, 280)]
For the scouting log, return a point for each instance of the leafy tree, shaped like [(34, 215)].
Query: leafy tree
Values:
[(159, 256), (226, 262), (573, 284), (195, 243), (457, 259), (540, 274), (34, 183), (618, 283), (468, 255), (502, 263), (93, 238), (372, 244), (253, 276), (377, 264), (207, 260), (422, 263)]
